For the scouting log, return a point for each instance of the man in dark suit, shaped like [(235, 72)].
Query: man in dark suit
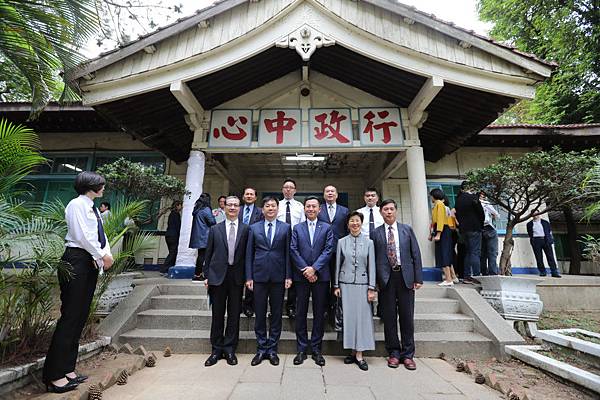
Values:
[(399, 274), (268, 274), (335, 215), (224, 268), (470, 217), (249, 214), (311, 249), (541, 239)]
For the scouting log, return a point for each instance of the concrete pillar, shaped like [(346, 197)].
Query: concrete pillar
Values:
[(194, 179), (419, 206)]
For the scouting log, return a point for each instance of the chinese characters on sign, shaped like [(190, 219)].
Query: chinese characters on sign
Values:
[(230, 128), (327, 127)]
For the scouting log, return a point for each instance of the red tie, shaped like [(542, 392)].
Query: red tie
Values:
[(391, 248)]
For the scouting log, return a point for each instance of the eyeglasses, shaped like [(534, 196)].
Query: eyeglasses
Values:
[(232, 205), (289, 187)]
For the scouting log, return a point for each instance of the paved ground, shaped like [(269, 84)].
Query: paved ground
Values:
[(183, 376)]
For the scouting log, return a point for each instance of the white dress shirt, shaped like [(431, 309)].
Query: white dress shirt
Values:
[(394, 227), (538, 229), (296, 211), (274, 225), (250, 208), (228, 227), (377, 218), (331, 209), (82, 227), (490, 213)]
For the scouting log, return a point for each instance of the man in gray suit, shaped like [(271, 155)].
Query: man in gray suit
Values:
[(399, 274)]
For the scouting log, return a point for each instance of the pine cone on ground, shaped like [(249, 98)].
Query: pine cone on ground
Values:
[(513, 396), (479, 378), (122, 380), (94, 392), (460, 367), (151, 361), (167, 352)]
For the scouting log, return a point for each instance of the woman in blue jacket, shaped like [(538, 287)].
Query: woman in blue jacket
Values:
[(203, 220)]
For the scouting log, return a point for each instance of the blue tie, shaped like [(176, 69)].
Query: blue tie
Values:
[(247, 215), (101, 235), (270, 233), (311, 231)]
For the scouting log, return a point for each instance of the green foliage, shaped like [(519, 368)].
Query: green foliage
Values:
[(565, 31)]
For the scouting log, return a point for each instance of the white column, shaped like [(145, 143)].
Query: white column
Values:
[(194, 180), (419, 206)]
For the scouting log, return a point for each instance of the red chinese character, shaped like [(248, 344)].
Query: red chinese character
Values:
[(333, 127), (279, 125), (385, 126), (231, 121)]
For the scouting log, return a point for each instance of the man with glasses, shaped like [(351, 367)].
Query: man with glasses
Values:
[(224, 268), (291, 211)]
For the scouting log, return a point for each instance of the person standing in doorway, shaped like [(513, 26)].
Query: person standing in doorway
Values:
[(172, 235), (541, 239), (250, 214), (219, 213), (291, 211), (442, 224), (489, 238), (399, 274), (311, 249), (87, 251), (470, 216), (373, 219), (268, 274), (224, 269), (203, 219)]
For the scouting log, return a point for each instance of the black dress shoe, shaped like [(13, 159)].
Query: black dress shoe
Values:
[(556, 275), (362, 364), (319, 359), (256, 360), (543, 274), (212, 360), (300, 357), (350, 359), (231, 358), (273, 359), (248, 312), (77, 379), (52, 388)]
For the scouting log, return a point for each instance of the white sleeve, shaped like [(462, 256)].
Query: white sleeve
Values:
[(76, 222)]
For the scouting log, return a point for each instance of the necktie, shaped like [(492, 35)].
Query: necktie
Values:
[(288, 214), (246, 215), (331, 213), (391, 248), (231, 244), (101, 235), (371, 223), (311, 231), (270, 233)]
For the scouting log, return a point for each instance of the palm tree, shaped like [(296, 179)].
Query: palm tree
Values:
[(41, 39)]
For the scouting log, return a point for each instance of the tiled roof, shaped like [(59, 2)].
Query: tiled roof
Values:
[(544, 126)]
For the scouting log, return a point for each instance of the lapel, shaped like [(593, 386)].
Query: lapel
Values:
[(275, 230), (317, 230), (223, 231), (261, 229)]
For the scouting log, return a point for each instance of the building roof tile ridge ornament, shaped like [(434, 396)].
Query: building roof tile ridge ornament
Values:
[(305, 40)]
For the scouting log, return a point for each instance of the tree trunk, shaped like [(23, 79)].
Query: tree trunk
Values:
[(575, 265), (507, 248)]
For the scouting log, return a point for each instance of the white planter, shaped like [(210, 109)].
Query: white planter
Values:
[(515, 298), (117, 290)]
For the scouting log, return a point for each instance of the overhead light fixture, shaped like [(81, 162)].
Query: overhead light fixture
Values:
[(305, 157)]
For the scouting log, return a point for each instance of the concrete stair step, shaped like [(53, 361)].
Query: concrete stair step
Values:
[(429, 344), (201, 320), (428, 290), (200, 302)]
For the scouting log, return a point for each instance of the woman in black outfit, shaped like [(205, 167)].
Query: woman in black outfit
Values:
[(172, 235)]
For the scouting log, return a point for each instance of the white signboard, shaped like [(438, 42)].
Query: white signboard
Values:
[(230, 128), (380, 127), (330, 127), (280, 127)]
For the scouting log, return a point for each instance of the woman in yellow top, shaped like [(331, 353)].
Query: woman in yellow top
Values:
[(442, 224)]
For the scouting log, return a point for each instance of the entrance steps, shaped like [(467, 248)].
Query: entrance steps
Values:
[(177, 315)]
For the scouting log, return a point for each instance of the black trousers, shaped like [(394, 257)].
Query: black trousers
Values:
[(172, 244), (540, 245), (270, 293), (76, 293), (399, 305), (200, 262), (319, 291), (226, 297)]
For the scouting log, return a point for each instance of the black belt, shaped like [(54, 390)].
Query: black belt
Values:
[(396, 268)]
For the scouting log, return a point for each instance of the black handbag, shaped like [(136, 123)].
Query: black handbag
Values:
[(339, 315)]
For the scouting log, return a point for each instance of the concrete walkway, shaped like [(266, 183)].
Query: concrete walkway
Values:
[(183, 376)]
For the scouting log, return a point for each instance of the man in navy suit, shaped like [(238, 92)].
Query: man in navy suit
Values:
[(399, 274), (268, 274), (224, 266), (311, 249), (541, 239), (249, 214), (335, 215)]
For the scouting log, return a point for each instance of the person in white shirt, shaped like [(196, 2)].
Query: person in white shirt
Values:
[(219, 213), (104, 210), (87, 251), (372, 216), (291, 211)]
